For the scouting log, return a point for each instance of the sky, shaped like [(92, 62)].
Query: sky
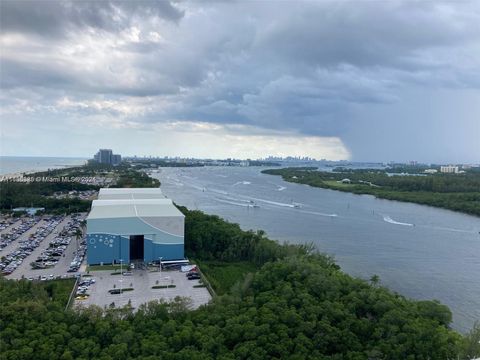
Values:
[(354, 80)]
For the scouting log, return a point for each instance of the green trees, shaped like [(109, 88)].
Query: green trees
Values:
[(470, 344), (297, 305), (78, 236), (35, 194), (459, 192)]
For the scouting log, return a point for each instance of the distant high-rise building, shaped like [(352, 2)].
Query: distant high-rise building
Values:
[(116, 159), (106, 156)]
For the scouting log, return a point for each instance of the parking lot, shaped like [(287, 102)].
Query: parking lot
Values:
[(49, 243), (22, 227), (7, 222), (142, 282), (46, 247)]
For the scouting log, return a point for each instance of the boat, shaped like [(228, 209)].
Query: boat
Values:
[(295, 205)]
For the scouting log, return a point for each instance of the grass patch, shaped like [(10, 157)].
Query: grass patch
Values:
[(87, 275), (200, 286), (105, 267), (120, 290), (164, 286), (339, 185), (223, 275)]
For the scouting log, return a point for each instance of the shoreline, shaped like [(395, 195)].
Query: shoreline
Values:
[(26, 173), (18, 166), (392, 195)]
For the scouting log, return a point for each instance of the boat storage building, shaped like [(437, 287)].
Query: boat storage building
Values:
[(131, 224)]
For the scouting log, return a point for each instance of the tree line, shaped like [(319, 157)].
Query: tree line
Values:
[(298, 305), (459, 192)]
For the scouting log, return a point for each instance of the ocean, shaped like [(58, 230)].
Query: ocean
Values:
[(19, 164)]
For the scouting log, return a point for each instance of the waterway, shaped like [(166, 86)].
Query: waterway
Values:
[(419, 251)]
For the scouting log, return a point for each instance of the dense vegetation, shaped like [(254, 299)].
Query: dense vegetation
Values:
[(276, 301), (222, 276), (208, 237), (17, 194), (37, 193), (459, 192), (124, 174), (299, 305), (132, 178)]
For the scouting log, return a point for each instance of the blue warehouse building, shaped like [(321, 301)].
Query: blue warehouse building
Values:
[(131, 225)]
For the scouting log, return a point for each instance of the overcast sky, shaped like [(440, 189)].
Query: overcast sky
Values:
[(359, 80)]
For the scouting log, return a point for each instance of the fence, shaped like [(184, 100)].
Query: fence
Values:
[(207, 283), (72, 294)]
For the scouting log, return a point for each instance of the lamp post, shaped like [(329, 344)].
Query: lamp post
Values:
[(121, 277)]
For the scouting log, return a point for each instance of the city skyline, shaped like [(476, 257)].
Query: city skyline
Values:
[(189, 79)]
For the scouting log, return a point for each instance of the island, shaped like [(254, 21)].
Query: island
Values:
[(457, 192)]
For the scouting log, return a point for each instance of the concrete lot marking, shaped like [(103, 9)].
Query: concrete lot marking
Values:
[(142, 281)]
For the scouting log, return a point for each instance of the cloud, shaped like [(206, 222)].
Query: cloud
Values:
[(316, 69), (58, 18)]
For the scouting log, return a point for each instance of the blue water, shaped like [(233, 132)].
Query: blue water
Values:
[(18, 164), (418, 251)]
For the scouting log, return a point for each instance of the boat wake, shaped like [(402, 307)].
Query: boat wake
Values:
[(247, 205), (196, 187), (318, 213), (237, 200), (242, 183), (293, 205), (281, 188), (388, 219)]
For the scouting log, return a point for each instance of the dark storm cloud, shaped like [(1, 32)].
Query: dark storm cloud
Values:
[(56, 18), (305, 67), (367, 34)]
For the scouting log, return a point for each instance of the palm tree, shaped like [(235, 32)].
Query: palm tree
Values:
[(78, 235)]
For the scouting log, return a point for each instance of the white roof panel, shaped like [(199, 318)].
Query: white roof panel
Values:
[(130, 193), (108, 209)]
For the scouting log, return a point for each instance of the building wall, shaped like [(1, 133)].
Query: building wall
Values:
[(108, 240), (449, 169), (154, 251), (108, 249)]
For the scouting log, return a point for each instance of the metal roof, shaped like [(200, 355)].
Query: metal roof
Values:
[(131, 208), (130, 193)]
